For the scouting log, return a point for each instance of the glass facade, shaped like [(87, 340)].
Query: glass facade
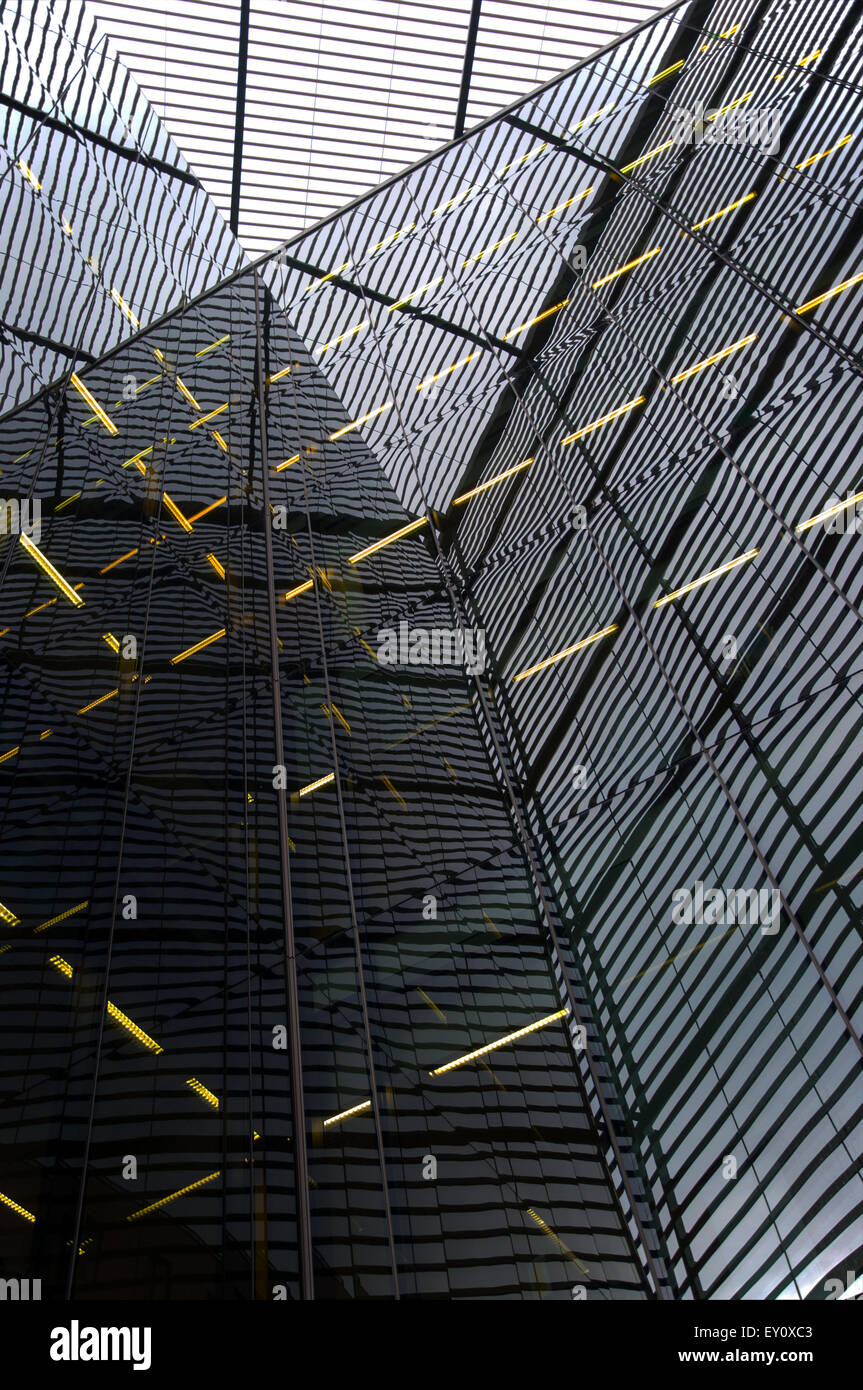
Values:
[(105, 227), (431, 710)]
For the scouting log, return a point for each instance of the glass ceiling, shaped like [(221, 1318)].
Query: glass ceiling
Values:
[(338, 99)]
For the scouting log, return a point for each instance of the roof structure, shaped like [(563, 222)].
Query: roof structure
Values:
[(289, 109)]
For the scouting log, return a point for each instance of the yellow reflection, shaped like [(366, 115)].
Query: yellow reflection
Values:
[(831, 511), (479, 255), (413, 294), (430, 380), (93, 404), (300, 589), (717, 356), (666, 72), (546, 1230), (313, 786), (8, 916), (824, 153), (651, 154), (604, 419), (45, 564), (828, 294), (355, 424), (203, 1092), (61, 917), (706, 578), (22, 1211), (501, 1042), (630, 265), (204, 418), (722, 211), (172, 1197), (539, 318), (567, 651), (560, 206), (387, 540), (490, 482), (199, 646), (343, 1114)]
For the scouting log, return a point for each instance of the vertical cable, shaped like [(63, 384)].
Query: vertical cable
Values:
[(301, 1170)]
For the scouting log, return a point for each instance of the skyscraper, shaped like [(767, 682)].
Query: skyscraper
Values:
[(430, 833)]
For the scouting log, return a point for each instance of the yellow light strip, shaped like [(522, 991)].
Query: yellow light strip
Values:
[(22, 1211), (479, 255), (176, 513), (172, 1197), (567, 651), (65, 589), (828, 294), (722, 211), (220, 441), (604, 419), (124, 1022), (651, 154), (355, 424), (815, 157), (394, 236), (390, 788), (539, 318), (665, 72), (8, 916), (29, 175), (212, 507), (183, 388), (738, 101), (287, 463), (429, 381), (560, 206), (199, 646), (204, 418), (114, 563), (341, 718), (216, 344), (67, 501), (501, 1042), (10, 754), (277, 376), (313, 786), (111, 640), (706, 578), (343, 1114), (93, 404), (62, 965), (831, 511), (328, 276), (46, 733), (546, 1229), (101, 700), (717, 356), (52, 921), (333, 342), (413, 294), (203, 1092), (300, 589), (601, 112), (216, 563), (387, 540), (630, 265), (490, 482)]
